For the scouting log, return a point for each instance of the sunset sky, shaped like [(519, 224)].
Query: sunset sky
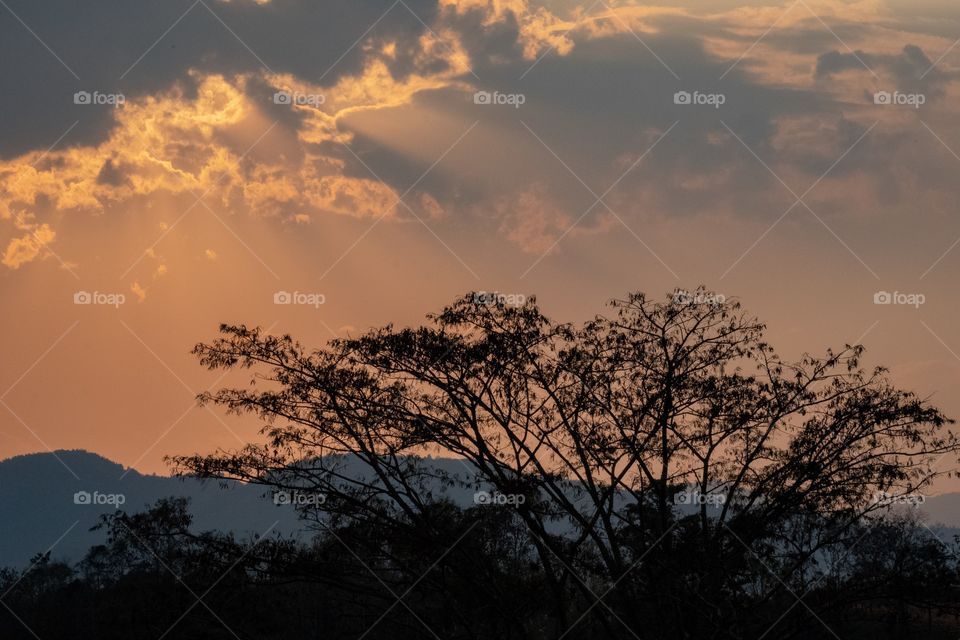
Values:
[(182, 162)]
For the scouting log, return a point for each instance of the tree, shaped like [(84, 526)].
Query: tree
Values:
[(596, 436)]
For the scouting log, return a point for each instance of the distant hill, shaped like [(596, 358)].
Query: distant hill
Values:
[(943, 511), (37, 503)]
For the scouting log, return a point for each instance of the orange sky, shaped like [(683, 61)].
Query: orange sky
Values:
[(261, 147)]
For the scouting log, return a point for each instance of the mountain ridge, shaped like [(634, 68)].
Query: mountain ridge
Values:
[(50, 500)]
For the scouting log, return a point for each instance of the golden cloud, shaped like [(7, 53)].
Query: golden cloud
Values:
[(178, 143), (28, 247)]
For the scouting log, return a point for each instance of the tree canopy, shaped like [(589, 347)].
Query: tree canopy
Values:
[(660, 468)]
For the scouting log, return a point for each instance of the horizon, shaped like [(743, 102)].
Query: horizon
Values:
[(56, 454)]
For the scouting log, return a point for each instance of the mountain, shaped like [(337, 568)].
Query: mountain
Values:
[(43, 505), (943, 511), (39, 496), (38, 504)]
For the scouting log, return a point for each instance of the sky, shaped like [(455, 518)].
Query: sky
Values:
[(320, 169)]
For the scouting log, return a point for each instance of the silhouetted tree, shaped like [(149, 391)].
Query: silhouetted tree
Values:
[(656, 473), (602, 429)]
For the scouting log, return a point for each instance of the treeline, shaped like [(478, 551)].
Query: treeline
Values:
[(470, 574)]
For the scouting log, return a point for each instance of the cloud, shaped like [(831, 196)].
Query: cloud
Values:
[(532, 220), (176, 143), (536, 29), (138, 291), (834, 62), (28, 247), (911, 70), (140, 48), (598, 91)]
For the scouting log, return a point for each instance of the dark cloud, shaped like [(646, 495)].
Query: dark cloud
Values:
[(914, 71), (911, 69), (487, 43), (599, 108), (836, 62), (111, 174), (112, 46)]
